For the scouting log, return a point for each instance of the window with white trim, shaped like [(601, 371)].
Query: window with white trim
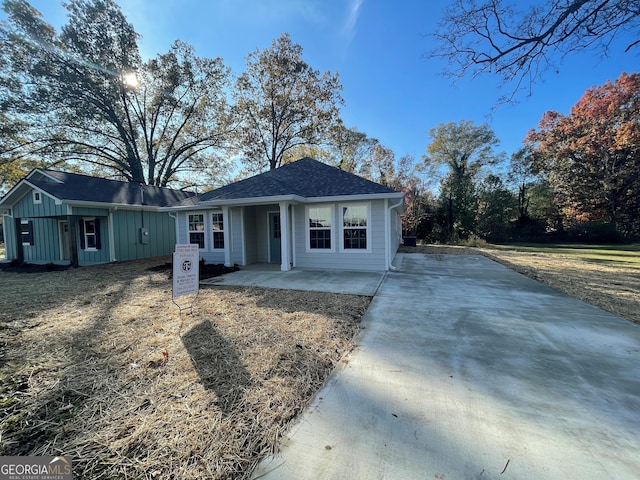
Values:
[(217, 223), (196, 229), (37, 197), (90, 234), (355, 227), (320, 227)]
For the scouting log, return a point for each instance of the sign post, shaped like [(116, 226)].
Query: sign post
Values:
[(186, 272)]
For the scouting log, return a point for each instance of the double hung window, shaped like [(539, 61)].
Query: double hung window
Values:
[(320, 230), (217, 222), (355, 227), (196, 229)]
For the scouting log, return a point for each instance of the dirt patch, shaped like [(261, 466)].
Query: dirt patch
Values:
[(97, 363), (206, 270), (615, 289)]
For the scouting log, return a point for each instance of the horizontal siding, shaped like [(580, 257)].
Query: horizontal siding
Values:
[(250, 235), (236, 235), (358, 261)]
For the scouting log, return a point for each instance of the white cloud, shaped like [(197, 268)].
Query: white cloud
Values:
[(349, 27)]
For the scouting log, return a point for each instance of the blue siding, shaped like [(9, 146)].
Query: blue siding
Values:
[(128, 244), (26, 207)]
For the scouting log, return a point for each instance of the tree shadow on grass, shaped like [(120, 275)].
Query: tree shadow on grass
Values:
[(218, 365)]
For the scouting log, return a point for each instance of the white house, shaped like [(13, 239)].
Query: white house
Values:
[(305, 214)]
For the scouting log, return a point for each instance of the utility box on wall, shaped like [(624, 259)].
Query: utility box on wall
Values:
[(144, 236)]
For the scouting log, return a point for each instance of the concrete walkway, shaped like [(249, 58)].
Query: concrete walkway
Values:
[(468, 370)]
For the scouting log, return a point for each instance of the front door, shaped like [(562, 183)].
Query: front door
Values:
[(65, 241), (275, 235)]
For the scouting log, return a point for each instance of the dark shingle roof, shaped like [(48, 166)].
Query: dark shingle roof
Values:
[(307, 178), (83, 188)]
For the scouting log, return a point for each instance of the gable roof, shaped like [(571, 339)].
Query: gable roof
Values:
[(306, 178), (78, 188)]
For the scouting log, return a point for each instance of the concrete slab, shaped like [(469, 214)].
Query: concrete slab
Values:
[(354, 283), (468, 370)]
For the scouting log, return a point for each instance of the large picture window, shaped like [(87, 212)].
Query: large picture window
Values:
[(319, 228), (196, 229), (355, 227), (217, 222)]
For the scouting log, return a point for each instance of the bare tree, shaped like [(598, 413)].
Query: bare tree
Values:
[(520, 43)]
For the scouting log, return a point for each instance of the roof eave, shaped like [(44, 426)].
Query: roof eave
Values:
[(246, 202)]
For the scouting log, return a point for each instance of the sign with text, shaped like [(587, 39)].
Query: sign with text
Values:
[(35, 468), (186, 276)]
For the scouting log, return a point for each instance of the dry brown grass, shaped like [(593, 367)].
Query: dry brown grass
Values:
[(97, 363), (612, 288)]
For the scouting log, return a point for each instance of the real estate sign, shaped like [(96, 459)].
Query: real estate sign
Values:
[(186, 270)]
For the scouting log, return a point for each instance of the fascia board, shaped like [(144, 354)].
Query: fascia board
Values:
[(117, 206), (354, 198)]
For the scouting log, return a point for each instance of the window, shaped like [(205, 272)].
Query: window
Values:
[(319, 228), (217, 221), (354, 227), (196, 229), (37, 197), (26, 232), (90, 234)]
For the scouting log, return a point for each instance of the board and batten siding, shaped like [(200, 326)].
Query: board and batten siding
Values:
[(47, 208), (127, 238), (374, 260)]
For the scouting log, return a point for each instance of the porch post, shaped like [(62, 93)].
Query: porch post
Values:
[(285, 236)]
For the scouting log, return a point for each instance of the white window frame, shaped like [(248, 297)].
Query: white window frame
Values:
[(332, 229), (367, 228), (203, 231), (215, 231), (87, 235), (37, 197)]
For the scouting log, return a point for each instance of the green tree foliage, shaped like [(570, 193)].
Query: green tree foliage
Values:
[(518, 42), (283, 103), (462, 150), (85, 95), (592, 155), (497, 207)]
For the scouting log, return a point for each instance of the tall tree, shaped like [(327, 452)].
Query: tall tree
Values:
[(282, 102), (592, 155), (462, 149), (379, 166), (349, 147), (86, 95), (518, 43)]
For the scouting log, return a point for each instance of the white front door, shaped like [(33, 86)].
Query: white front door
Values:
[(65, 240)]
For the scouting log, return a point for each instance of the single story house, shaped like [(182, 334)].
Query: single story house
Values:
[(304, 214), (67, 218)]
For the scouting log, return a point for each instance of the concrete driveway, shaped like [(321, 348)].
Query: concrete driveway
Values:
[(468, 370)]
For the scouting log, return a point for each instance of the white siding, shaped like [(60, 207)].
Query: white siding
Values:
[(345, 260), (250, 235), (236, 235)]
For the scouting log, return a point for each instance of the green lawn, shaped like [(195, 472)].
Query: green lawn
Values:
[(623, 256)]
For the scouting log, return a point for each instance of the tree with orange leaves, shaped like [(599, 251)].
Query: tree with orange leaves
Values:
[(592, 155)]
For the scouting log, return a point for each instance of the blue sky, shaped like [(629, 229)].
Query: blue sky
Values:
[(391, 91)]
